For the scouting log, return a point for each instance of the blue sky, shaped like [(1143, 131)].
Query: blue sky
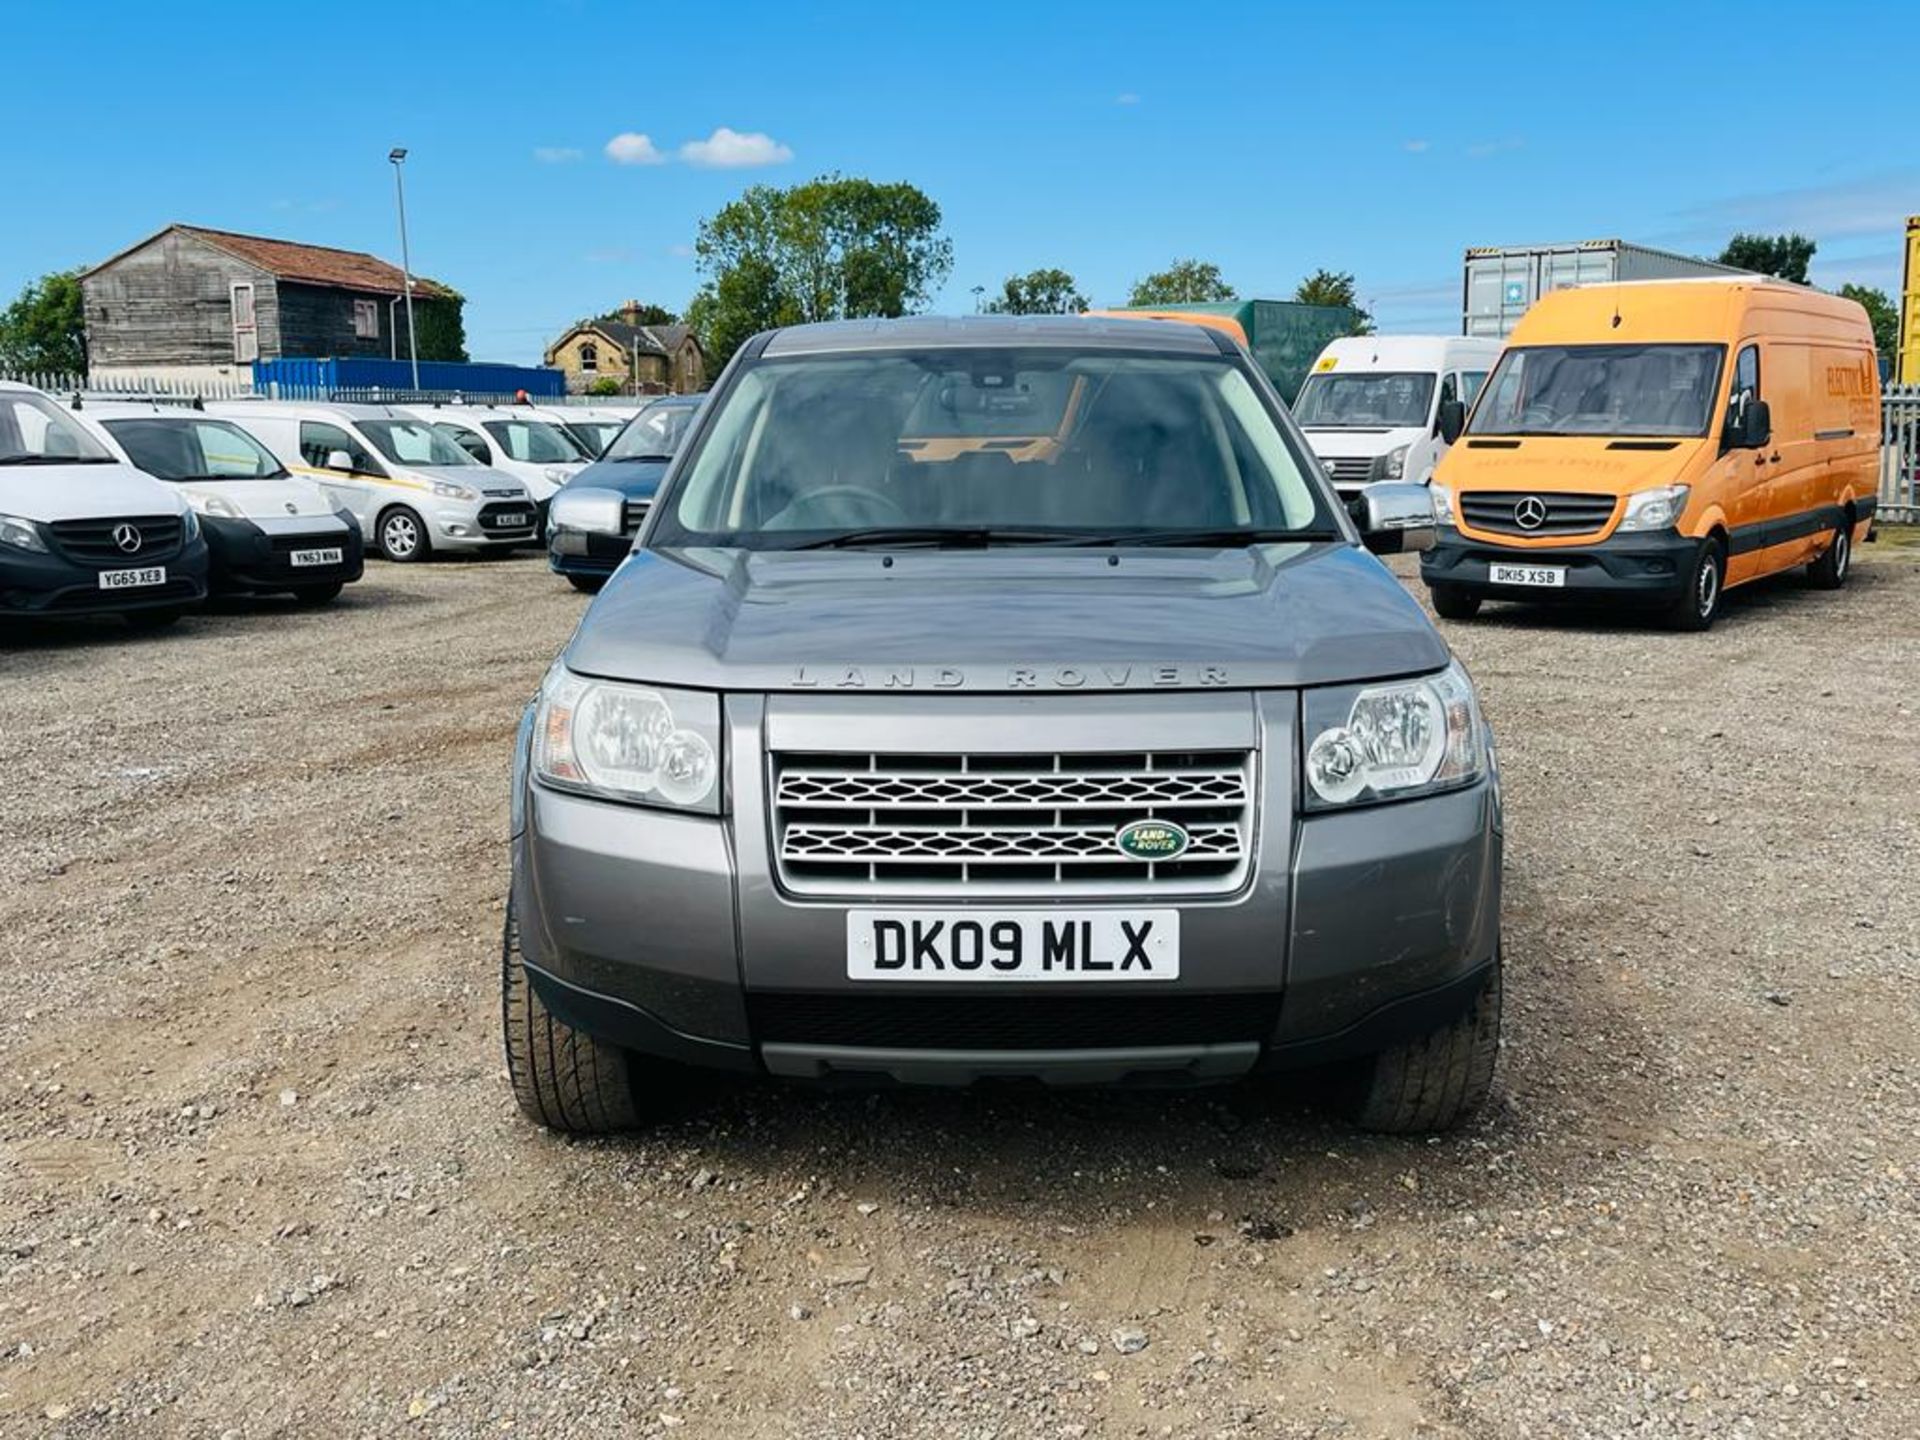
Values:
[(1107, 139)]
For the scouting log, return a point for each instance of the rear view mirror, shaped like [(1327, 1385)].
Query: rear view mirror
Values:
[(591, 510), (1453, 419), (1395, 516), (340, 460), (1759, 424)]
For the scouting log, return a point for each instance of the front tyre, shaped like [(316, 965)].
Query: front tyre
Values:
[(1829, 572), (587, 584), (1450, 602), (402, 535), (563, 1078), (1435, 1081), (1698, 605)]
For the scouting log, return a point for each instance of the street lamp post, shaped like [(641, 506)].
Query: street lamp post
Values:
[(398, 156)]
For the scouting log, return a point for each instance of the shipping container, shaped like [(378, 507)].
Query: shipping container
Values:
[(1910, 307), (1503, 280), (328, 378), (1284, 335)]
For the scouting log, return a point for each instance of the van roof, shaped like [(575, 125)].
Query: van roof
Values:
[(306, 409), (1406, 352), (934, 331), (1696, 308)]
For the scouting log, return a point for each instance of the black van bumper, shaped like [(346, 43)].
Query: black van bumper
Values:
[(36, 583), (1647, 568)]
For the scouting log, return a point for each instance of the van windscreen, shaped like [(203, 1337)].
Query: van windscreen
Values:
[(1600, 390), (1373, 400)]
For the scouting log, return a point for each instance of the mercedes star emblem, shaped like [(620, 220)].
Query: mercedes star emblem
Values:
[(1530, 513), (127, 537)]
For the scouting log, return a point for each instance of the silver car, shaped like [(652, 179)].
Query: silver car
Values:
[(1004, 698)]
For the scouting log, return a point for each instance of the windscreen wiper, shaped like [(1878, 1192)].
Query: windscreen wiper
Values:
[(57, 460), (953, 537), (1211, 538)]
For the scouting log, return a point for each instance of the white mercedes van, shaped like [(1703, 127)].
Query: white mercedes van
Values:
[(82, 533), (1371, 404), (516, 440), (412, 490)]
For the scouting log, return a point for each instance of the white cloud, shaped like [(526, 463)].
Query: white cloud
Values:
[(1494, 147), (1417, 147), (555, 154), (680, 252), (1871, 205), (1126, 97), (632, 148), (731, 150)]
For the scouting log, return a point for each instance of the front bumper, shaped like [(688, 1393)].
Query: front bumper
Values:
[(257, 558), (1650, 568), (585, 552), (668, 934), (50, 584), (486, 526)]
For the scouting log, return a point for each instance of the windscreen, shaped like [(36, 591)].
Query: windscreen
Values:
[(410, 442), (1600, 390), (1055, 444), (535, 442), (35, 431), (593, 436), (1374, 400), (178, 448), (653, 434)]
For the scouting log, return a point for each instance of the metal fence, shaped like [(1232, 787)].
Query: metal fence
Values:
[(189, 388), (1900, 455)]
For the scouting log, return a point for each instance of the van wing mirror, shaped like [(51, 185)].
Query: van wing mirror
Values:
[(1453, 419), (590, 510), (1395, 516), (1759, 424), (340, 460)]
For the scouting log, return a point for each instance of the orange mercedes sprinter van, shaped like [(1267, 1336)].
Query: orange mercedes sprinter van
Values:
[(1658, 442)]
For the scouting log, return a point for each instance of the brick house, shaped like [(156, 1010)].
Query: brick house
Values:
[(642, 359), (189, 299)]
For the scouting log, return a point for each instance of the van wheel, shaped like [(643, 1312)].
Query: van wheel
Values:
[(1435, 1081), (1451, 602), (402, 536), (1698, 606), (316, 594), (1829, 572), (587, 584), (563, 1078)]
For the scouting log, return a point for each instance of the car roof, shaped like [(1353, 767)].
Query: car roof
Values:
[(1071, 332)]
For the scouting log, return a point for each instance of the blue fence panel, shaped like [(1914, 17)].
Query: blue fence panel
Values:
[(369, 372)]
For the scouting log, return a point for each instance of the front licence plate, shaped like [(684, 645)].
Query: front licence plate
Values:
[(133, 579), (1013, 945), (512, 519), (1550, 575), (333, 556)]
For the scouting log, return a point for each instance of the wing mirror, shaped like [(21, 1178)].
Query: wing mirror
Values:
[(1395, 516), (588, 510), (340, 460), (1453, 419)]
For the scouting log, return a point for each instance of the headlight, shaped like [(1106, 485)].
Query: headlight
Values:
[(447, 490), (1390, 466), (21, 535), (212, 504), (628, 742), (556, 475), (1654, 509), (1392, 741), (1442, 504)]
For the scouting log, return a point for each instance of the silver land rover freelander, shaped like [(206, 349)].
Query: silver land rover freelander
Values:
[(1004, 698)]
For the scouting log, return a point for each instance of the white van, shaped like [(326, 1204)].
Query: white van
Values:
[(594, 426), (83, 533), (516, 440), (413, 490), (268, 531), (1371, 404)]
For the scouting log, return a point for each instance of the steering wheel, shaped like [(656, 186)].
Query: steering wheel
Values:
[(816, 516)]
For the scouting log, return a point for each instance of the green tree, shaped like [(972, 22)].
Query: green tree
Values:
[(836, 247), (646, 315), (1786, 256), (1881, 312), (440, 331), (44, 329), (605, 385), (1038, 292), (1185, 282), (1335, 287)]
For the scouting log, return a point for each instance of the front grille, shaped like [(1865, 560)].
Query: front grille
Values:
[(1349, 469), (491, 522), (1007, 824), (1010, 1022), (501, 492), (1566, 514), (634, 514), (93, 542)]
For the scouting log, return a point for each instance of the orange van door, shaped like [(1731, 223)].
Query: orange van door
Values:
[(1793, 463), (1745, 474)]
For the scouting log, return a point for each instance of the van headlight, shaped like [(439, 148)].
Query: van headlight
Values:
[(1654, 509), (1367, 743), (634, 743), (447, 490), (1442, 504), (21, 534), (212, 504), (1390, 466)]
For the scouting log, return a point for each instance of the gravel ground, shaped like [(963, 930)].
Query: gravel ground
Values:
[(260, 1173)]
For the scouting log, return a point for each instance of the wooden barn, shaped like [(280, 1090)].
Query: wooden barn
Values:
[(211, 299)]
